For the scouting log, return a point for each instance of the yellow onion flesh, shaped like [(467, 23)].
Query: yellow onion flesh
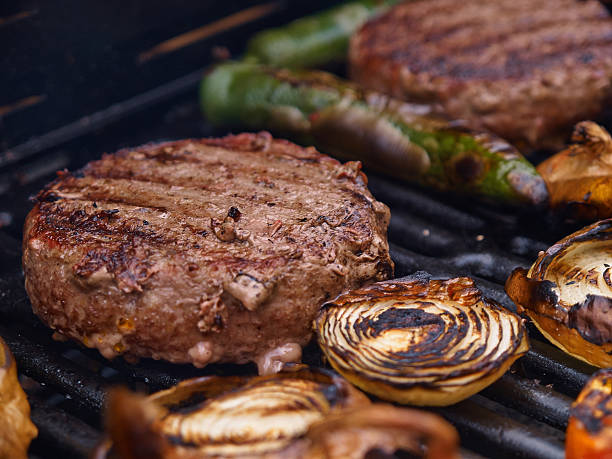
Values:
[(567, 293), (420, 341), (260, 417), (589, 431), (231, 416), (579, 179), (16, 428)]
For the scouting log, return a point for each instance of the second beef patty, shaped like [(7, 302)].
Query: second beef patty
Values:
[(524, 69)]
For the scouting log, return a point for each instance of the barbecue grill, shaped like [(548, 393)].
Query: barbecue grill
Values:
[(75, 99)]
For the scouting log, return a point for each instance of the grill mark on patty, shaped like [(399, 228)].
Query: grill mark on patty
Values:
[(512, 48), (215, 160), (166, 177), (71, 223), (514, 67), (120, 236), (130, 166), (148, 213), (465, 30), (440, 10), (535, 43), (475, 32), (482, 60), (148, 194), (80, 227), (200, 222)]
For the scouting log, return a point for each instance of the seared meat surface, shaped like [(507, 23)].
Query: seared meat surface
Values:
[(524, 69), (213, 250)]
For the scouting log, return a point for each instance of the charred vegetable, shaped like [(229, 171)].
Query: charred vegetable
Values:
[(396, 138), (303, 414), (355, 433), (314, 40), (579, 179), (16, 429), (568, 293), (420, 341), (589, 431)]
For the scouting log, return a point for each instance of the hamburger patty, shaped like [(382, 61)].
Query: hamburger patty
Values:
[(213, 250), (524, 69)]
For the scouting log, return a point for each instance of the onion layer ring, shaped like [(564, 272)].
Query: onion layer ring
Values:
[(420, 341)]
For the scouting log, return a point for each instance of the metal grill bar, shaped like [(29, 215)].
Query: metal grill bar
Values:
[(530, 398), (499, 436), (42, 362), (61, 432), (553, 366)]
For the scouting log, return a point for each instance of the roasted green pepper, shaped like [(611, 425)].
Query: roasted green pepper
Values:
[(314, 40), (396, 138)]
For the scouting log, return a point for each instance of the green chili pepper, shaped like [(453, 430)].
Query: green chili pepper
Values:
[(394, 137), (314, 40)]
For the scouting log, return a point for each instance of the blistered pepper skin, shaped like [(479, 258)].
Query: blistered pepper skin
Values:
[(314, 40), (399, 139)]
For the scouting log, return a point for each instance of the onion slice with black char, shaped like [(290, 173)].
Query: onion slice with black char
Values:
[(589, 431), (567, 293), (16, 428), (308, 414), (420, 341)]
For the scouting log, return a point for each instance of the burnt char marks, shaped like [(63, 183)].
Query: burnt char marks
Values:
[(579, 298), (234, 213), (606, 277), (594, 404), (79, 226), (590, 412), (599, 231), (468, 168), (398, 318), (384, 268), (47, 196), (538, 295), (129, 264), (591, 319)]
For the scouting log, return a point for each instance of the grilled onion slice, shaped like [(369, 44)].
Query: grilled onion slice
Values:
[(589, 431), (16, 429), (305, 414), (420, 341), (248, 416), (579, 179), (568, 293)]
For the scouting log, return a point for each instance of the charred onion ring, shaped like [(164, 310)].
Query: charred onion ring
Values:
[(589, 432), (16, 429), (304, 414), (568, 293), (420, 341)]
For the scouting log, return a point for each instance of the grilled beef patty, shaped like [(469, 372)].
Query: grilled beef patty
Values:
[(214, 250), (524, 69)]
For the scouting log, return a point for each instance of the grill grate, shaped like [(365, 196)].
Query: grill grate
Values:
[(522, 415)]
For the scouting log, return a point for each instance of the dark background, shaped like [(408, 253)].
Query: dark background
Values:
[(62, 61)]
